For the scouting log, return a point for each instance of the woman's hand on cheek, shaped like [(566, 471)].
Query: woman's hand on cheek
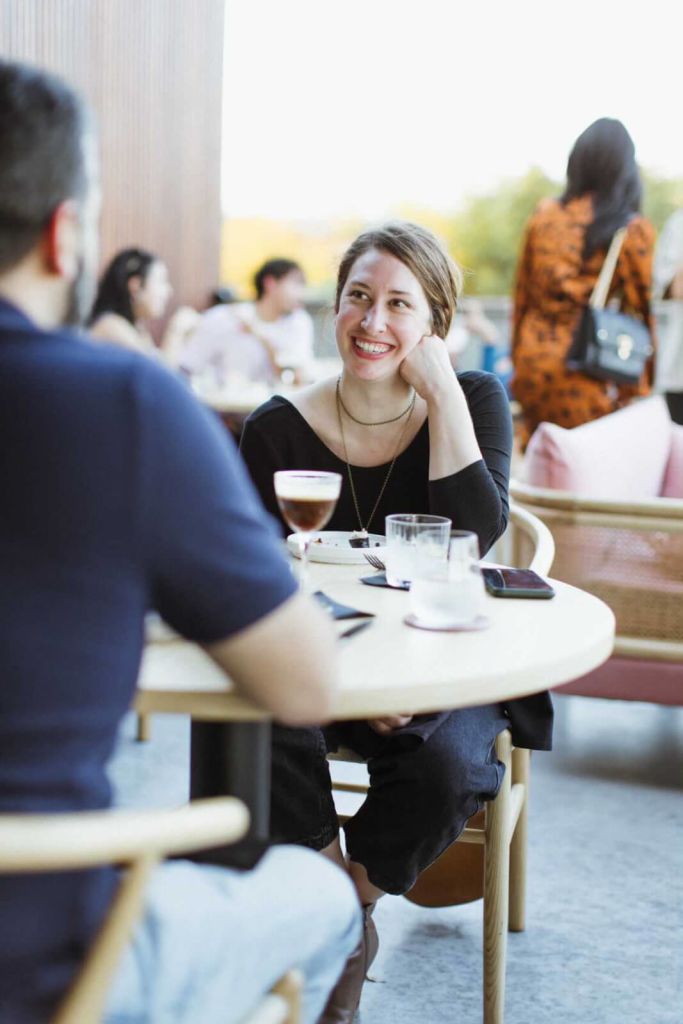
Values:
[(427, 367)]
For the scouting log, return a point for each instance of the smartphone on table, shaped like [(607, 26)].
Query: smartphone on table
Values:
[(515, 583)]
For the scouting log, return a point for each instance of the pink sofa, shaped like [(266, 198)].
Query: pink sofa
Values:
[(611, 492)]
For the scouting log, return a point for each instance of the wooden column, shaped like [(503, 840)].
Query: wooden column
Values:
[(153, 72)]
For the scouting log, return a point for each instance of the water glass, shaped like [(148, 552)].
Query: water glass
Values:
[(413, 541), (451, 594)]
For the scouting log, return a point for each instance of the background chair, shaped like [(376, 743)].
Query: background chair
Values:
[(138, 840), (611, 492), (489, 857)]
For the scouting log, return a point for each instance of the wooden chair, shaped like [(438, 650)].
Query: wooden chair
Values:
[(500, 831), (138, 841)]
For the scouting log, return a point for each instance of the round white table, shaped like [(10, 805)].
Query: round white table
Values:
[(529, 646), (390, 667)]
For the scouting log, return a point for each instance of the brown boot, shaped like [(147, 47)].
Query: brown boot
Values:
[(345, 996)]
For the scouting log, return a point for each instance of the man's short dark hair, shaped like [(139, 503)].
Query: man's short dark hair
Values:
[(42, 124), (273, 268)]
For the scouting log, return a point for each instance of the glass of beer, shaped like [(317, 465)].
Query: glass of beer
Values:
[(306, 501)]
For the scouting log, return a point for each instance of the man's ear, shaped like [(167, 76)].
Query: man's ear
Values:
[(62, 241)]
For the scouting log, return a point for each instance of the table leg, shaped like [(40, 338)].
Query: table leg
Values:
[(233, 759)]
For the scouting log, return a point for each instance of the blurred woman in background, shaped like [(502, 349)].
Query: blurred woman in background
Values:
[(564, 248), (134, 290)]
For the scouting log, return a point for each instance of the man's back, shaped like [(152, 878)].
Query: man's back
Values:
[(118, 494)]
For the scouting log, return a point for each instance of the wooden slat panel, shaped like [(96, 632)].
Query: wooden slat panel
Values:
[(153, 73)]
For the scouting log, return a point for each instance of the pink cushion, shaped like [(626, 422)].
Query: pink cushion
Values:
[(673, 478), (622, 456)]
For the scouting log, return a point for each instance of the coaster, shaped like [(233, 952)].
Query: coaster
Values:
[(481, 622)]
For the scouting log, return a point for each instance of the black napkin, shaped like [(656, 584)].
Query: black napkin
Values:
[(340, 611), (380, 580)]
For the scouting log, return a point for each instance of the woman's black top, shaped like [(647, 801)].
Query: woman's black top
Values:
[(276, 436)]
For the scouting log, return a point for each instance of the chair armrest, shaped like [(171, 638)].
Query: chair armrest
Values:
[(55, 842), (659, 508), (539, 536)]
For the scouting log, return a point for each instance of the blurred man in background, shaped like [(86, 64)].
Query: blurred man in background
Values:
[(260, 340)]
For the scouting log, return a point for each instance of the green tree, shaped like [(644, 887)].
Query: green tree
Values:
[(486, 232)]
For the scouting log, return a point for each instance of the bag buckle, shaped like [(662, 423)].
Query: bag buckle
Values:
[(625, 346)]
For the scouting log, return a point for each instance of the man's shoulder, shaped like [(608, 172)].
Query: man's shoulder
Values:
[(118, 382), (112, 367), (74, 350)]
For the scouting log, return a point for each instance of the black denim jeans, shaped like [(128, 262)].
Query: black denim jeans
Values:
[(422, 789)]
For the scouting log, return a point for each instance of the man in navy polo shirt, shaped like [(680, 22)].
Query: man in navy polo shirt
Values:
[(119, 493)]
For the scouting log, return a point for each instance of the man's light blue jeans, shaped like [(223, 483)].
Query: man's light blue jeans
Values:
[(213, 941)]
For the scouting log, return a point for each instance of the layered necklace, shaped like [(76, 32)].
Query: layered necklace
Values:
[(362, 533)]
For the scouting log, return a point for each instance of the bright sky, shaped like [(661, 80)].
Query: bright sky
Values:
[(352, 106)]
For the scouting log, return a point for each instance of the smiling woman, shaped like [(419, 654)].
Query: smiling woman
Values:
[(408, 435)]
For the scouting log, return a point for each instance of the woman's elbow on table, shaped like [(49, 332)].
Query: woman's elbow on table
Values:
[(492, 528)]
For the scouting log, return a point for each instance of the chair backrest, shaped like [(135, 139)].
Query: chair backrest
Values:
[(629, 554), (527, 543), (138, 840)]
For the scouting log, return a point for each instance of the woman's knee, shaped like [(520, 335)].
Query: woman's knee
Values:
[(452, 772)]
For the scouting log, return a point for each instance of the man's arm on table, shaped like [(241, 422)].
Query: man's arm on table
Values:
[(284, 662), (218, 572)]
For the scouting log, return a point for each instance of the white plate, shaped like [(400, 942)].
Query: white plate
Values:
[(333, 546)]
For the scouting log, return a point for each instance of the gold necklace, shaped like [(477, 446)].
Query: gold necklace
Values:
[(340, 405), (377, 423)]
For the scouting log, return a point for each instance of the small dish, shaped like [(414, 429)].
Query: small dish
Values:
[(481, 622), (333, 546)]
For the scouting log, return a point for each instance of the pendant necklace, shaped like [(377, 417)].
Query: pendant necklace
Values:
[(360, 536)]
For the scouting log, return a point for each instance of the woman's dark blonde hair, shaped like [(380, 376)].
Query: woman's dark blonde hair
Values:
[(423, 254)]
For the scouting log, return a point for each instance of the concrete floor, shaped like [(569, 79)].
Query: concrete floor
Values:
[(604, 939)]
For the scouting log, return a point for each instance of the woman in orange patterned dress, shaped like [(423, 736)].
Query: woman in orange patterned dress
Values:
[(564, 248)]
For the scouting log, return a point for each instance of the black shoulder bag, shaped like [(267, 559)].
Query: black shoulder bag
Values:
[(608, 344)]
